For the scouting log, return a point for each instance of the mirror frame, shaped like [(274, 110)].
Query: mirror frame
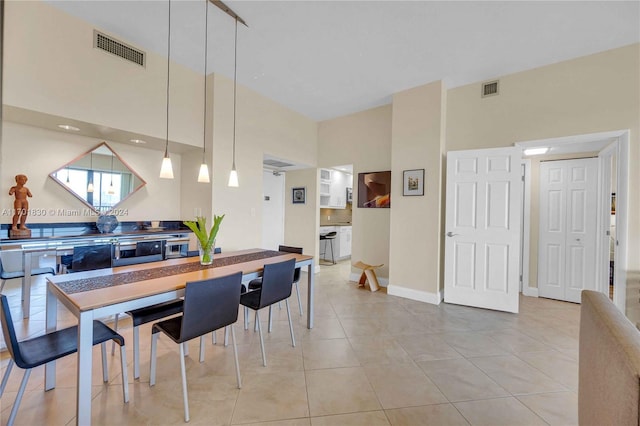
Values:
[(52, 175)]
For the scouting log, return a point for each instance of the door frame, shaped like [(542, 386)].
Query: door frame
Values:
[(619, 139), (525, 232)]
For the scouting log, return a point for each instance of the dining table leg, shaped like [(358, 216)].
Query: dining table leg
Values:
[(310, 281), (51, 322), (85, 338), (26, 284)]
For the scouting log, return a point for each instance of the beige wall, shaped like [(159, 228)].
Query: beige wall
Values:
[(263, 126), (302, 220), (37, 152), (417, 143), (51, 66), (364, 140)]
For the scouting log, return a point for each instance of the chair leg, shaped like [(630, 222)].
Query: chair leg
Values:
[(152, 369), (298, 293), (183, 370), (5, 378), (255, 322), (226, 337), (293, 339), (270, 318), (202, 348), (246, 318), (115, 328), (125, 374), (264, 356), (136, 352), (16, 404), (105, 368), (2, 285), (214, 338), (235, 356), (186, 348)]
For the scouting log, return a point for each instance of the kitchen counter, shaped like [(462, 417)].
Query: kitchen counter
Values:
[(336, 224)]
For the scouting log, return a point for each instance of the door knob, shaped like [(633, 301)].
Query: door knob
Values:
[(451, 234)]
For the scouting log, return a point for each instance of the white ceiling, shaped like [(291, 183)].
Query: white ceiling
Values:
[(329, 58)]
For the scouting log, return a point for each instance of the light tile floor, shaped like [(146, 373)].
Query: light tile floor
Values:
[(372, 359)]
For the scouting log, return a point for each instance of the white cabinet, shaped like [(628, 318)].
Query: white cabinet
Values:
[(345, 241), (333, 188)]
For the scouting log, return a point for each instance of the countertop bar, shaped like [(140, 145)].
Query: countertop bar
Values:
[(42, 232), (336, 224)]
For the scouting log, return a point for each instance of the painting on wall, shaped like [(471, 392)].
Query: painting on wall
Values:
[(374, 189), (299, 195), (413, 182)]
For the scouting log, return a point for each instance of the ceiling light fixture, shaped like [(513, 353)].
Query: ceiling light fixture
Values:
[(68, 127), (90, 186), (203, 175), (166, 170), (233, 176), (536, 151), (111, 190)]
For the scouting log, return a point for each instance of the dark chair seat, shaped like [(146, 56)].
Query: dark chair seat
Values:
[(208, 306), (40, 350), (5, 275), (277, 282), (155, 312)]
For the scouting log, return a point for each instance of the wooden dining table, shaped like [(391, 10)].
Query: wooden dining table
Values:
[(101, 293)]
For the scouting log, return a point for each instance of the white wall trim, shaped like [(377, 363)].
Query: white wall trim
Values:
[(420, 296), (526, 229), (530, 291), (384, 282)]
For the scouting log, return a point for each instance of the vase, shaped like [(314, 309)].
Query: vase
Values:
[(206, 254), (106, 223)]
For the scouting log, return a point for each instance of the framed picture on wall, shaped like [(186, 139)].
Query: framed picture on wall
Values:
[(299, 195), (413, 182)]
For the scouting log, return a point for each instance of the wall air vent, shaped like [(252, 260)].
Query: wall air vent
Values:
[(115, 47), (276, 163), (490, 88)]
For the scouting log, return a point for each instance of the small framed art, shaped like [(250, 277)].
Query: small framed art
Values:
[(299, 195), (413, 182)]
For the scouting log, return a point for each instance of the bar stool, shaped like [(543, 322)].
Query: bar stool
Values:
[(329, 236)]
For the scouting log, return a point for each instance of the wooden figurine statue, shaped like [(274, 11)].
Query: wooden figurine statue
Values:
[(21, 203)]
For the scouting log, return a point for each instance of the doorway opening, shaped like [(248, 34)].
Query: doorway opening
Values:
[(611, 149)]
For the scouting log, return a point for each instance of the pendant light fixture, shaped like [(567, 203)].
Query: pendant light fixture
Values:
[(166, 170), (233, 176), (111, 190), (90, 186), (203, 175)]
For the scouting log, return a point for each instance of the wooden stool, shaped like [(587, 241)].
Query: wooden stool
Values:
[(368, 274)]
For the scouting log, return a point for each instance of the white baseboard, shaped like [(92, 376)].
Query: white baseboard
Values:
[(317, 269), (384, 282), (530, 291), (420, 296)]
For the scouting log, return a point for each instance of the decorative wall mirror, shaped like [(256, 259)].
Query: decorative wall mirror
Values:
[(99, 178)]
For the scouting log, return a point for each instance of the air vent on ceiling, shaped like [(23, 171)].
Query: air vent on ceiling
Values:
[(276, 163), (115, 47), (490, 88)]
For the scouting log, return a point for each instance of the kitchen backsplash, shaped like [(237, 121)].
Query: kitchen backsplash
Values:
[(335, 216)]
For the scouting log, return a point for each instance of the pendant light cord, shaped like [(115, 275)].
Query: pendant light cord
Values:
[(166, 147), (235, 83), (206, 50)]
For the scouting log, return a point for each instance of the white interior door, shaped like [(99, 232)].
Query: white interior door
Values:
[(272, 210), (568, 217), (482, 243)]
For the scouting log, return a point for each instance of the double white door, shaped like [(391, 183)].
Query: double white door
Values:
[(568, 218)]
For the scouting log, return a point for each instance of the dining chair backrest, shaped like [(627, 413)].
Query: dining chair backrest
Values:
[(209, 305), (88, 258), (9, 332), (296, 250), (277, 279)]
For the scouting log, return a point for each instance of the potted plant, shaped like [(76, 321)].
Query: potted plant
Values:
[(206, 240)]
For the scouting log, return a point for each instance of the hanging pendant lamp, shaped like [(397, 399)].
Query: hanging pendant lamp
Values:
[(233, 176), (166, 170), (111, 190), (203, 175), (90, 186)]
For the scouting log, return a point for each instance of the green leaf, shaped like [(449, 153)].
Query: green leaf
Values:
[(199, 228)]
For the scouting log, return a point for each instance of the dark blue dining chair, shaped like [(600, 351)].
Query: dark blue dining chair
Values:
[(40, 350), (277, 281), (208, 306), (6, 275)]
